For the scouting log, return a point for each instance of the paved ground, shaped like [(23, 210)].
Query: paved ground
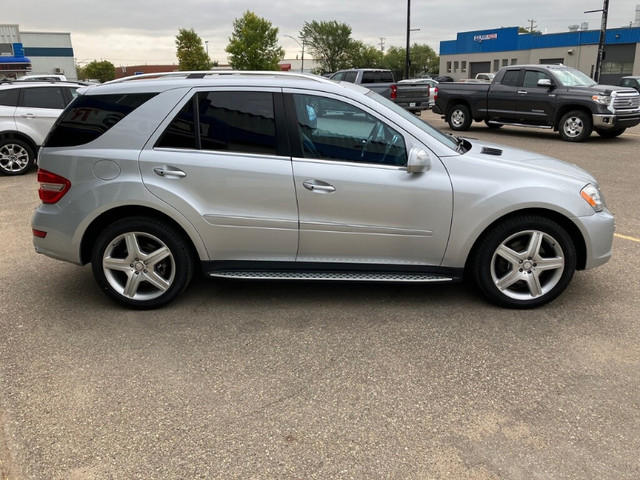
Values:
[(318, 381)]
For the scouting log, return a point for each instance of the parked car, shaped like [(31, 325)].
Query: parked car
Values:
[(633, 82), (239, 176), (409, 94), (541, 96), (27, 112)]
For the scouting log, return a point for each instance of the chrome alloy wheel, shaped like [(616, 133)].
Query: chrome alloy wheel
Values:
[(139, 266), (14, 158), (527, 265), (457, 118), (573, 126)]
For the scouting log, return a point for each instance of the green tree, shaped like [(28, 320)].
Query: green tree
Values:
[(364, 56), (253, 45), (190, 51), (102, 70), (423, 60), (330, 44)]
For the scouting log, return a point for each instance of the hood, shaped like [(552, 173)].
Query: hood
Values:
[(508, 156)]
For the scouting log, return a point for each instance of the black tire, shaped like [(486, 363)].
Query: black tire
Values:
[(459, 118), (575, 126), (616, 132), (524, 262), (492, 126), (141, 263), (16, 157)]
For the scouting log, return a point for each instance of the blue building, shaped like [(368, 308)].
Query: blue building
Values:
[(489, 50)]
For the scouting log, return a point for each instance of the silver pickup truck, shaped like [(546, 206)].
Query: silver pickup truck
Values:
[(412, 95)]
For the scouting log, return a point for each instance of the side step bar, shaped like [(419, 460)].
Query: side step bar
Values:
[(495, 122), (332, 276)]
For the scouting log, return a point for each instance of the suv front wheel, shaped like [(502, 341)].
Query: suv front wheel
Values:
[(141, 263), (16, 156)]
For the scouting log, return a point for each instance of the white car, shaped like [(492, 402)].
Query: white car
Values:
[(27, 112), (241, 175)]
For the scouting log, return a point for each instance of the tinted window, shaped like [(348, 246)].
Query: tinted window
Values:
[(510, 78), (9, 97), (337, 76), (232, 121), (531, 78), (90, 116), (350, 77), (334, 130), (45, 97), (377, 77)]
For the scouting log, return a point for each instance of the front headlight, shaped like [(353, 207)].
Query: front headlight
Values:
[(593, 197), (602, 99)]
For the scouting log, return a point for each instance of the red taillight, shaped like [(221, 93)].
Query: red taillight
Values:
[(52, 186), (435, 93), (394, 91), (39, 233)]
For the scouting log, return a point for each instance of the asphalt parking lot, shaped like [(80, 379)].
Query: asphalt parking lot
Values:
[(257, 380)]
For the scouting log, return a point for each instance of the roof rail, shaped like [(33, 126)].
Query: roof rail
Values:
[(198, 74)]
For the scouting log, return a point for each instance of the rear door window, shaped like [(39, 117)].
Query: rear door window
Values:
[(43, 97), (240, 121)]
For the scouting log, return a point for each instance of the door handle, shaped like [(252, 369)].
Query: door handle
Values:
[(522, 92), (169, 172), (317, 186)]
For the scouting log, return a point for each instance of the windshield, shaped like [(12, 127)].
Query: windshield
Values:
[(446, 140), (573, 78)]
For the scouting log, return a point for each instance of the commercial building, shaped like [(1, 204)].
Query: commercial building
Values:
[(489, 50), (23, 53)]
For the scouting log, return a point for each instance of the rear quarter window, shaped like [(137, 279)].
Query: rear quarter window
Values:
[(90, 116)]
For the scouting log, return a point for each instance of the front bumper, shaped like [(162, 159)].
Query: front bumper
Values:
[(606, 121)]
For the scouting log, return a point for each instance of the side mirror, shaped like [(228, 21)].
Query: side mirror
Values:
[(545, 82), (419, 161)]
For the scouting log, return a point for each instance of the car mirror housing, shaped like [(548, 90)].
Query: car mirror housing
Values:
[(419, 161)]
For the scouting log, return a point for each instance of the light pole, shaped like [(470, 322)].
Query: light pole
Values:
[(301, 46), (603, 34)]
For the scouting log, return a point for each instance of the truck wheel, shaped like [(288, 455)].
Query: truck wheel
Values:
[(575, 126), (16, 157), (616, 132), (460, 118), (524, 262), (141, 263)]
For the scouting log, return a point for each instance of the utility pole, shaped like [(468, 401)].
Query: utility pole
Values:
[(408, 60), (382, 39), (532, 25), (603, 34)]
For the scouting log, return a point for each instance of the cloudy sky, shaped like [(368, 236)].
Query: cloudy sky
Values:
[(130, 32)]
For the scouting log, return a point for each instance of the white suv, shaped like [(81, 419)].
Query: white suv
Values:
[(27, 112), (288, 176)]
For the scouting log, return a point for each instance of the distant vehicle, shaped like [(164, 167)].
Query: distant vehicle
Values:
[(42, 78), (633, 82), (543, 96), (28, 109), (484, 76), (407, 93), (444, 78)]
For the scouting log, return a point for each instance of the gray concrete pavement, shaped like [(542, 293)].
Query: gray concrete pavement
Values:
[(324, 381)]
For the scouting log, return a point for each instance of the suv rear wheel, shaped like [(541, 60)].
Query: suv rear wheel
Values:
[(141, 263), (16, 156)]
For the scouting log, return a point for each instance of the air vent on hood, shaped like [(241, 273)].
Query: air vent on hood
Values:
[(491, 151)]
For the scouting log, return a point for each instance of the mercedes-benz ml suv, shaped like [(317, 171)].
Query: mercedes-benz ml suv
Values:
[(287, 176)]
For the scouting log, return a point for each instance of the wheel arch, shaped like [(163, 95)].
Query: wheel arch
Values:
[(570, 227), (16, 135), (110, 216), (564, 109)]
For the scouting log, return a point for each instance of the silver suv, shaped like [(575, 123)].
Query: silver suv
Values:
[(286, 176), (27, 112)]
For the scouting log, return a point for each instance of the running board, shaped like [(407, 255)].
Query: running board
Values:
[(495, 122), (333, 276)]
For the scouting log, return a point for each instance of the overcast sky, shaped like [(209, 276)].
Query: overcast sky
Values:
[(130, 32)]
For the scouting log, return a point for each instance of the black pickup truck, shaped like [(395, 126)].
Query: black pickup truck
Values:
[(544, 96)]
